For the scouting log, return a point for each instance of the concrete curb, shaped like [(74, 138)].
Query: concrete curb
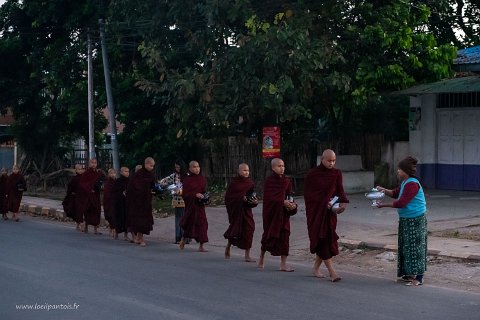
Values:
[(357, 244), (53, 213)]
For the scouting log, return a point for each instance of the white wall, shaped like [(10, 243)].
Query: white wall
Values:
[(429, 129), (423, 141)]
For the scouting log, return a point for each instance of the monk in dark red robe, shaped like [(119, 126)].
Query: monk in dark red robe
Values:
[(119, 203), (15, 186), (139, 202), (70, 201), (239, 203), (321, 185), (108, 200), (3, 193), (89, 195), (194, 221), (278, 206)]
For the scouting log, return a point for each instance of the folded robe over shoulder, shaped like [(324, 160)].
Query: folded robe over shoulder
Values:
[(139, 202), (276, 219), (14, 195), (321, 184), (69, 203), (3, 194), (240, 217), (194, 221), (89, 196), (108, 200), (119, 204)]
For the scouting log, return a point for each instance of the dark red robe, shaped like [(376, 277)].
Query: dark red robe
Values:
[(139, 202), (194, 221), (3, 194), (70, 201), (120, 204), (240, 217), (89, 196), (14, 194), (276, 219), (108, 201), (322, 184)]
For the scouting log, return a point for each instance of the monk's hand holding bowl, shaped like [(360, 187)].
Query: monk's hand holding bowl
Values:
[(289, 205), (340, 208)]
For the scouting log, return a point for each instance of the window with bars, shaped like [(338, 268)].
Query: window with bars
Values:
[(459, 100)]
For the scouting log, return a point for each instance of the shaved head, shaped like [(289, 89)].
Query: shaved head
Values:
[(149, 164), (278, 166), (193, 163), (149, 160), (328, 153), (329, 158), (275, 161), (92, 163), (243, 170), (194, 167), (112, 173)]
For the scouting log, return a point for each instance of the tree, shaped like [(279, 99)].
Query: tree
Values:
[(183, 71), (44, 82)]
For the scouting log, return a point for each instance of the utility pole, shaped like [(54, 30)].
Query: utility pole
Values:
[(91, 141), (110, 105)]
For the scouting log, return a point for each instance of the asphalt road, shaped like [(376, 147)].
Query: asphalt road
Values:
[(46, 264)]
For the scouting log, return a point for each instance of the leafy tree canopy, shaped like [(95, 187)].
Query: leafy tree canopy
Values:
[(187, 70)]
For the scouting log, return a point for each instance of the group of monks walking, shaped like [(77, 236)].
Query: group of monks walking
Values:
[(12, 187), (323, 188), (127, 203), (127, 200)]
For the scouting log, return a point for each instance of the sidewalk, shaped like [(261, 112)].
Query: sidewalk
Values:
[(361, 226)]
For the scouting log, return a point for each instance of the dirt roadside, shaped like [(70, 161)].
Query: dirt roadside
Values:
[(441, 271)]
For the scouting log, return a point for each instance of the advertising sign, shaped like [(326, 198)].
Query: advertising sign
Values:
[(271, 142)]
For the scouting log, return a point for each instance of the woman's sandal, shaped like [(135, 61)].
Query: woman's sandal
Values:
[(414, 283), (406, 278)]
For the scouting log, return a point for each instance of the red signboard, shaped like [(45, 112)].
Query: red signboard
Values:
[(271, 142)]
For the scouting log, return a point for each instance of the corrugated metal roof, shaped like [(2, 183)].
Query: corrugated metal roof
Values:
[(468, 56), (455, 85)]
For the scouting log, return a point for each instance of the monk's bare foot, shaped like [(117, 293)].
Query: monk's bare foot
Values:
[(249, 259), (287, 269), (182, 244), (202, 249), (318, 274), (334, 277), (142, 244), (227, 253), (136, 240), (261, 264)]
